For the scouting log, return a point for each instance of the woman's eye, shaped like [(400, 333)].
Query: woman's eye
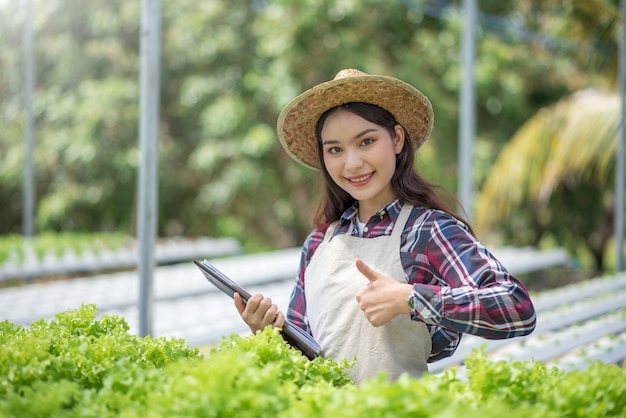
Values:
[(367, 141), (333, 150)]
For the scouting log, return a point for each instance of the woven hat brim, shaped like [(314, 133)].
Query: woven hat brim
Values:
[(297, 122)]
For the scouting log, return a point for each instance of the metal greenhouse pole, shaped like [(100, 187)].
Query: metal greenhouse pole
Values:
[(147, 215), (619, 165), (467, 120), (28, 198)]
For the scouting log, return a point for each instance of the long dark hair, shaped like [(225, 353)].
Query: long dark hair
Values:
[(406, 182)]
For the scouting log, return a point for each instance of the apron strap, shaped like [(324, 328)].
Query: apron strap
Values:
[(330, 231), (401, 221)]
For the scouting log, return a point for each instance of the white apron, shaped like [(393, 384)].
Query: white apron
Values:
[(330, 286)]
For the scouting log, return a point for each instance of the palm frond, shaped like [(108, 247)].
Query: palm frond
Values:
[(573, 139)]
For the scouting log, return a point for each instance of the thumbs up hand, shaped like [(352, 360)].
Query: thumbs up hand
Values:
[(383, 297)]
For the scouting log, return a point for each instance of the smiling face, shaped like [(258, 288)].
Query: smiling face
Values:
[(360, 157)]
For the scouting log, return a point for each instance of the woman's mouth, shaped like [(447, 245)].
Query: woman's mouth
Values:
[(359, 180)]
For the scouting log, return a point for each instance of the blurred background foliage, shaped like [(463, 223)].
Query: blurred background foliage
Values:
[(228, 67)]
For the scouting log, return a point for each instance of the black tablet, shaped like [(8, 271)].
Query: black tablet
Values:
[(294, 335)]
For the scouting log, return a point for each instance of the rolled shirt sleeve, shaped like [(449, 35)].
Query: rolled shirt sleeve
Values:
[(474, 293)]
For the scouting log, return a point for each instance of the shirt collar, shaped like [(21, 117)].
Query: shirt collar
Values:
[(392, 209)]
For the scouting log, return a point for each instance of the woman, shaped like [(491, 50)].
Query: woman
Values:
[(391, 274)]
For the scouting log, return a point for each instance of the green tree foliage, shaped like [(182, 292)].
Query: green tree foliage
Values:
[(553, 182), (561, 158), (86, 109), (228, 67)]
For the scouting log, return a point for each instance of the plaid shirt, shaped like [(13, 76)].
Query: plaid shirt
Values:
[(458, 285)]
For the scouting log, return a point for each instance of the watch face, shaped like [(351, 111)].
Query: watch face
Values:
[(411, 302)]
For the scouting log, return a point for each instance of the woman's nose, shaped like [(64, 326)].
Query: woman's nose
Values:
[(354, 160)]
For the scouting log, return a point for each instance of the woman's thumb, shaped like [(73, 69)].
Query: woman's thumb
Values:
[(366, 270)]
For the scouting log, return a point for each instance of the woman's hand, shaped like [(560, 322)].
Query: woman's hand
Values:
[(383, 297), (259, 312)]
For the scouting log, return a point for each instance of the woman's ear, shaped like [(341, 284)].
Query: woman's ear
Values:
[(399, 138)]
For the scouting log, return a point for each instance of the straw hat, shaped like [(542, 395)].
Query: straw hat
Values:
[(297, 121)]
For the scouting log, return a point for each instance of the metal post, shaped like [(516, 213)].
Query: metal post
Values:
[(619, 169), (150, 48), (467, 121), (28, 197)]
